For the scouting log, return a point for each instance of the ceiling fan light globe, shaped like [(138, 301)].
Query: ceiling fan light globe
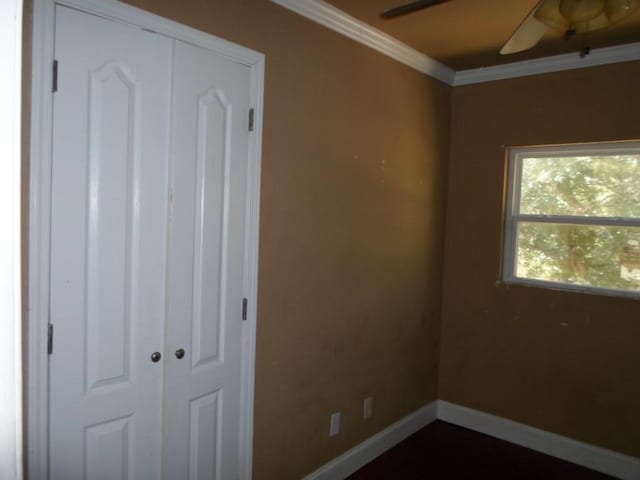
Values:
[(601, 21), (579, 11), (548, 12), (617, 10)]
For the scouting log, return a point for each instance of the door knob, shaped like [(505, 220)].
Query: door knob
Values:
[(180, 353), (155, 357)]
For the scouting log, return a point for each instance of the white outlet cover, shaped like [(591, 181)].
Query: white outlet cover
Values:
[(334, 428), (367, 408)]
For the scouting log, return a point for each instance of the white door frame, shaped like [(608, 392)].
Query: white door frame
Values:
[(40, 211)]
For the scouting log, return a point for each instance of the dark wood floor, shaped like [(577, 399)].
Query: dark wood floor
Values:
[(445, 451)]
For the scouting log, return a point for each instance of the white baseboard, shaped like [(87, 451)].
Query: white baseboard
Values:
[(596, 458), (599, 459), (356, 458)]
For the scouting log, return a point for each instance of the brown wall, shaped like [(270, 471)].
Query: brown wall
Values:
[(506, 350), (353, 199), (351, 242)]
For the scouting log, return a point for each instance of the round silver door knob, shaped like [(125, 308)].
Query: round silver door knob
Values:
[(155, 357), (180, 353)]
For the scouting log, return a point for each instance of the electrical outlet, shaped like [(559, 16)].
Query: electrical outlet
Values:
[(367, 408), (334, 427)]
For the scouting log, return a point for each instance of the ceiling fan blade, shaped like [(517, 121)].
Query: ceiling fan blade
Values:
[(409, 7), (527, 35)]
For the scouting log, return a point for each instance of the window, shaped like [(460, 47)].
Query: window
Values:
[(573, 217)]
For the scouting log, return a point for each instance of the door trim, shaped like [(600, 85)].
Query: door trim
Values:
[(40, 211)]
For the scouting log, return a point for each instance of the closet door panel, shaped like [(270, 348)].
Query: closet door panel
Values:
[(108, 247), (206, 263), (214, 116)]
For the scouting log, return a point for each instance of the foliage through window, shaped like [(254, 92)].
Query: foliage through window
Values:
[(573, 217)]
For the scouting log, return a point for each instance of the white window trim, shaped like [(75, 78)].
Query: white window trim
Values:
[(511, 219)]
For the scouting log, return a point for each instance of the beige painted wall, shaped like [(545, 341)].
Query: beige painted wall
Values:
[(353, 191), (354, 185), (504, 349)]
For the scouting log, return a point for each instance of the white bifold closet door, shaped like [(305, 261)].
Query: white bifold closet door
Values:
[(147, 255), (206, 263)]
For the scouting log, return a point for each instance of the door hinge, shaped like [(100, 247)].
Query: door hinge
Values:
[(251, 115), (50, 339), (54, 87), (244, 309)]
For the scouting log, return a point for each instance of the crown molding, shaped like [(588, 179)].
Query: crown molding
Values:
[(331, 17), (556, 63)]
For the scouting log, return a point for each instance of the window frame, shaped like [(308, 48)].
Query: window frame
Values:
[(513, 218)]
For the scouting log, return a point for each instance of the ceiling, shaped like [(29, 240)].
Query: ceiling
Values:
[(465, 34)]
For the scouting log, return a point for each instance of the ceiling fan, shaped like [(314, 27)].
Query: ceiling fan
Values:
[(572, 16)]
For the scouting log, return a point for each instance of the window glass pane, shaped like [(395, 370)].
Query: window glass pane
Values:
[(602, 186), (597, 256)]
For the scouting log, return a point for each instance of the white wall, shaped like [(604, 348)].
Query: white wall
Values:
[(10, 318)]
